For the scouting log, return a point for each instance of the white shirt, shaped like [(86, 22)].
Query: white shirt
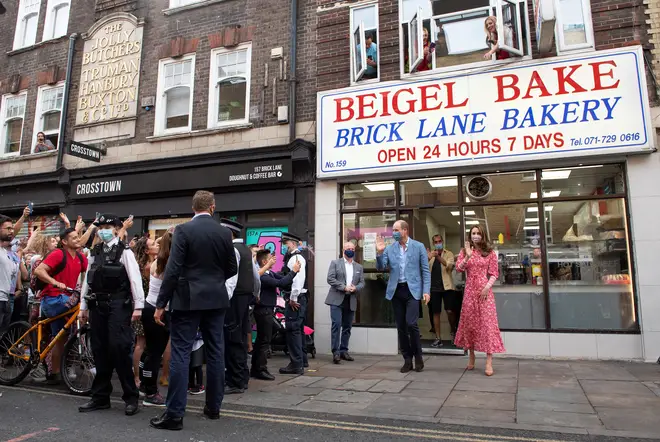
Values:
[(349, 271), (8, 271), (134, 275), (299, 280), (230, 284)]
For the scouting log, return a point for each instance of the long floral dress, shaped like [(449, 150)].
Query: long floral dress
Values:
[(478, 328)]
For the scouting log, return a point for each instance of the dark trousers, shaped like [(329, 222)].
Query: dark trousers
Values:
[(237, 375), (295, 332), (5, 315), (156, 337), (196, 377), (406, 315), (342, 323), (184, 326), (112, 346), (263, 317)]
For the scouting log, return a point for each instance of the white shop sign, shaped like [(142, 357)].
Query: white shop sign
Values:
[(560, 107)]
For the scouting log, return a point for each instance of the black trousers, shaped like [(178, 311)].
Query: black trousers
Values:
[(112, 346), (263, 316), (406, 315), (156, 337), (237, 373)]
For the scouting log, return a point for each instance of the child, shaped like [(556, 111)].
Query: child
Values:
[(196, 362)]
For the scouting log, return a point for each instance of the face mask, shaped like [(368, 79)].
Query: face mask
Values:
[(476, 238), (349, 253), (106, 235), (396, 236), (438, 246)]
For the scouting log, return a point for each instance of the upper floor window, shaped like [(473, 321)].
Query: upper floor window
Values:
[(444, 34), (47, 118), (229, 100), (364, 43), (57, 19), (26, 23), (174, 97), (12, 110), (574, 29), (179, 3)]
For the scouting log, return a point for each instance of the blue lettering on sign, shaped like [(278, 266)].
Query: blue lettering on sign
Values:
[(374, 134)]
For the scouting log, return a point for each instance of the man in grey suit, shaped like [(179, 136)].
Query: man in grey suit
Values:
[(346, 279)]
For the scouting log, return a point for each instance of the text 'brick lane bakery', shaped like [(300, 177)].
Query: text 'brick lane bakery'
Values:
[(549, 157)]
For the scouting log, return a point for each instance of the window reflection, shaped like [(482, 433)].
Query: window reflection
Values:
[(436, 191), (368, 195), (584, 181)]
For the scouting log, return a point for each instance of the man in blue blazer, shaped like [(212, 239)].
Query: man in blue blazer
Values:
[(410, 281)]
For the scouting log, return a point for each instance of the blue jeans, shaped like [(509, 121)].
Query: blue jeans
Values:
[(52, 306), (342, 322), (295, 332)]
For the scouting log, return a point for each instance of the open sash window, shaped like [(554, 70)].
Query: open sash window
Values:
[(509, 27), (359, 52), (416, 47)]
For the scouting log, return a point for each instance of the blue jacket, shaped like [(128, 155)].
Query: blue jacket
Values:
[(270, 282), (416, 271)]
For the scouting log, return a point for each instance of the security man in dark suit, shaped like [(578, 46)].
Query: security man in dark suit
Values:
[(240, 288), (201, 260), (263, 312)]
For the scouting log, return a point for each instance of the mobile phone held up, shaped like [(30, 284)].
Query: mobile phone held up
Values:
[(432, 46), (31, 206)]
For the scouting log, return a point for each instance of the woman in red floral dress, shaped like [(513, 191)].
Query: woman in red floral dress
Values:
[(478, 329)]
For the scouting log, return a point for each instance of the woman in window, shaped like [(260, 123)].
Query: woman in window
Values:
[(492, 39), (478, 329), (43, 144), (425, 64)]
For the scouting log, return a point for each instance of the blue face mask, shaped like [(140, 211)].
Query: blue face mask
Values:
[(349, 253), (439, 246), (106, 235), (396, 236)]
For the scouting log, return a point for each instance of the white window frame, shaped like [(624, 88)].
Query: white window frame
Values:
[(419, 35), (161, 103), (3, 121), (182, 3), (39, 115), (52, 15), (25, 12), (465, 68), (562, 47), (214, 81), (500, 28), (356, 77)]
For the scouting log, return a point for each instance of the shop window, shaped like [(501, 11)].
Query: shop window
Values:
[(574, 30), (229, 100), (375, 195), (174, 102), (443, 34), (13, 115), (49, 225), (57, 19), (158, 227), (364, 43), (27, 23), (48, 116), (584, 181), (514, 233), (268, 217), (499, 187), (429, 191), (590, 284)]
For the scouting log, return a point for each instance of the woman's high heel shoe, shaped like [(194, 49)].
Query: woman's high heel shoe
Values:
[(489, 370), (471, 362)]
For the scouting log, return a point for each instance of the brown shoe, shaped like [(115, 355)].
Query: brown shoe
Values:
[(336, 359), (407, 366), (419, 364)]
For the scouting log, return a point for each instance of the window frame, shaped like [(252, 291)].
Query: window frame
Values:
[(4, 120), (560, 44), (471, 67), (182, 3), (39, 114), (214, 81), (355, 79), (26, 12), (52, 15), (160, 115)]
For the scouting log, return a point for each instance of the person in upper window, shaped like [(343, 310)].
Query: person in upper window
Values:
[(43, 144), (372, 57), (492, 39)]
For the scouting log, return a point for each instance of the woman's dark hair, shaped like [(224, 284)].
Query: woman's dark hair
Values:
[(41, 134), (484, 245), (163, 253), (141, 255)]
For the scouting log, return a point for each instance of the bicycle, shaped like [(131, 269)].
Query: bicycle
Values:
[(23, 347)]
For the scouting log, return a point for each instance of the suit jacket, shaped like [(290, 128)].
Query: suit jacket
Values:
[(201, 259), (416, 271), (447, 277), (338, 283), (270, 282)]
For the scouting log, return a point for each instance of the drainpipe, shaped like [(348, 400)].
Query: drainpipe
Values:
[(292, 75), (65, 101)]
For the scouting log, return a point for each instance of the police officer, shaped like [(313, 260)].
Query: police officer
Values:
[(296, 305), (241, 288), (114, 287)]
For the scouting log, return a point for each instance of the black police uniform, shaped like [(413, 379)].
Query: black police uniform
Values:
[(110, 310)]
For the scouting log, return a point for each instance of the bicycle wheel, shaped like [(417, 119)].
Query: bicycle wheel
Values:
[(78, 369), (16, 364)]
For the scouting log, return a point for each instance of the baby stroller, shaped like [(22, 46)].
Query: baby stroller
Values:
[(278, 343)]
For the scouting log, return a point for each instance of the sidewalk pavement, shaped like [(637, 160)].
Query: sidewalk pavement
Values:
[(583, 397)]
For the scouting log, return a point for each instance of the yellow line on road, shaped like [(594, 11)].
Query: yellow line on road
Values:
[(339, 425)]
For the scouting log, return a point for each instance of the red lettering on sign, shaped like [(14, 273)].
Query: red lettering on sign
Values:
[(598, 85)]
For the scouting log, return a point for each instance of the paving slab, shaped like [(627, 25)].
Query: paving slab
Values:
[(271, 399), (431, 385), (547, 381), (357, 397), (601, 371), (642, 371), (478, 399), (468, 416), (616, 387), (558, 418), (358, 384), (344, 408), (386, 386), (445, 376), (624, 401), (653, 386), (301, 381), (437, 392), (545, 368), (615, 418), (491, 385), (554, 406), (478, 373), (297, 391), (329, 382), (406, 405), (572, 396)]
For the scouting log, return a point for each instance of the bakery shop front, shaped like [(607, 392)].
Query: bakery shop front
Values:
[(553, 158)]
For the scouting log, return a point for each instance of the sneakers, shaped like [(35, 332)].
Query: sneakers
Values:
[(154, 400), (39, 374), (142, 391), (437, 343), (197, 389)]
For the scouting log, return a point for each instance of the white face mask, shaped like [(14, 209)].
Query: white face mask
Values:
[(476, 238)]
